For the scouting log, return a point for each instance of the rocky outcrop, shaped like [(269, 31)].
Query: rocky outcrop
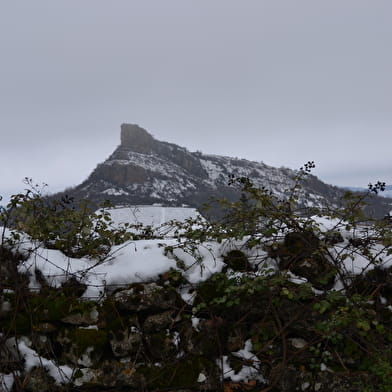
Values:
[(121, 175), (136, 139)]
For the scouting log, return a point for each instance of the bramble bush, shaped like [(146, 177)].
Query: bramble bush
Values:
[(78, 229), (320, 272)]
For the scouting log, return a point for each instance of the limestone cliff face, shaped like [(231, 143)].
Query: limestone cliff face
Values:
[(143, 170), (121, 175), (136, 139)]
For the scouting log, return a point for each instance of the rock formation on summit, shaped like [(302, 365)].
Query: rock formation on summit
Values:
[(136, 138)]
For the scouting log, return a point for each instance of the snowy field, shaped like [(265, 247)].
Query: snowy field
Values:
[(154, 216)]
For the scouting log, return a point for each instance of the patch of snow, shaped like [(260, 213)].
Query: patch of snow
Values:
[(247, 373), (89, 327), (61, 374), (213, 170), (85, 359), (205, 264), (323, 367), (187, 295), (295, 279), (131, 262), (6, 382), (195, 323), (201, 378), (115, 192), (87, 375), (176, 339)]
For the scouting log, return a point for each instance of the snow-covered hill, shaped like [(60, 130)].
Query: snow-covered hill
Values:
[(143, 170)]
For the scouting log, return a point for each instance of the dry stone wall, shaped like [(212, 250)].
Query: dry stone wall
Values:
[(145, 337)]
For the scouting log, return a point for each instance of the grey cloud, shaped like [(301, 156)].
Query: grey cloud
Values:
[(278, 81)]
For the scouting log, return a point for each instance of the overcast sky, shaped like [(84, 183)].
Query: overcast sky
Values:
[(278, 81)]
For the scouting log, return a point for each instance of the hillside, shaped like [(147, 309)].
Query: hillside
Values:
[(143, 170)]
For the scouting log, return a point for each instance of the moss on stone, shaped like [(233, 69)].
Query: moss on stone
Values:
[(237, 261), (53, 306), (84, 338), (211, 289), (179, 374), (18, 324), (115, 322), (49, 308)]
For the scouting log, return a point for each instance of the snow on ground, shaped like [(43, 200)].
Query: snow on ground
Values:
[(213, 170), (248, 372), (6, 382), (144, 260), (134, 261), (61, 374)]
